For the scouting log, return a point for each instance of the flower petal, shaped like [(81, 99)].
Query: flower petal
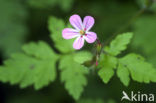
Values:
[(90, 37), (78, 43), (76, 22), (88, 22), (69, 33)]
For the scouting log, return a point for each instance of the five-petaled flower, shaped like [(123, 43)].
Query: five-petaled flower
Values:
[(81, 31)]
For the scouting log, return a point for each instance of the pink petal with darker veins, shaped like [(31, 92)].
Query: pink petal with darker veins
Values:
[(88, 22), (78, 43), (76, 22), (69, 33), (90, 37)]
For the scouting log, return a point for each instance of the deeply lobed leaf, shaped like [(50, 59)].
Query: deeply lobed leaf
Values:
[(36, 66), (140, 70), (73, 75)]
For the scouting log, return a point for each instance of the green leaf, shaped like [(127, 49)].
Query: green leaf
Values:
[(107, 64), (73, 75), (36, 66), (56, 26), (83, 56), (119, 44), (123, 74), (139, 69)]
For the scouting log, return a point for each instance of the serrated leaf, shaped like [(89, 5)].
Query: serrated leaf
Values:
[(73, 75), (56, 26), (139, 69), (107, 64), (83, 56), (123, 74), (36, 66), (119, 44)]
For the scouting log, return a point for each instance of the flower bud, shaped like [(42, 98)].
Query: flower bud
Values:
[(98, 47)]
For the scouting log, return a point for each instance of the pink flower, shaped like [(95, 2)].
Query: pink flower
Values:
[(81, 31)]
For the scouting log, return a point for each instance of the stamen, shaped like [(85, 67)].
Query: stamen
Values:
[(85, 34), (82, 32), (81, 36)]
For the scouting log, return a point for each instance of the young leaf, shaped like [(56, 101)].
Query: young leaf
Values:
[(123, 74), (107, 64), (83, 56), (35, 66), (119, 44), (73, 75), (139, 69), (56, 26)]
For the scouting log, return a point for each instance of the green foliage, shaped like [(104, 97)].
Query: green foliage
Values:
[(140, 70), (94, 101), (149, 4), (144, 38), (119, 44), (123, 74), (107, 64), (12, 26), (83, 56), (36, 66), (131, 64), (64, 4), (73, 75), (56, 26), (91, 101)]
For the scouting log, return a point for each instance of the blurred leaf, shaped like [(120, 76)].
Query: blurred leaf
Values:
[(83, 56), (12, 26), (111, 101), (119, 44), (73, 74), (35, 66), (140, 70), (91, 101), (107, 64), (149, 4), (64, 4), (42, 3), (144, 39), (56, 26)]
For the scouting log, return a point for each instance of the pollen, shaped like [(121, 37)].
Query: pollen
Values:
[(82, 32)]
